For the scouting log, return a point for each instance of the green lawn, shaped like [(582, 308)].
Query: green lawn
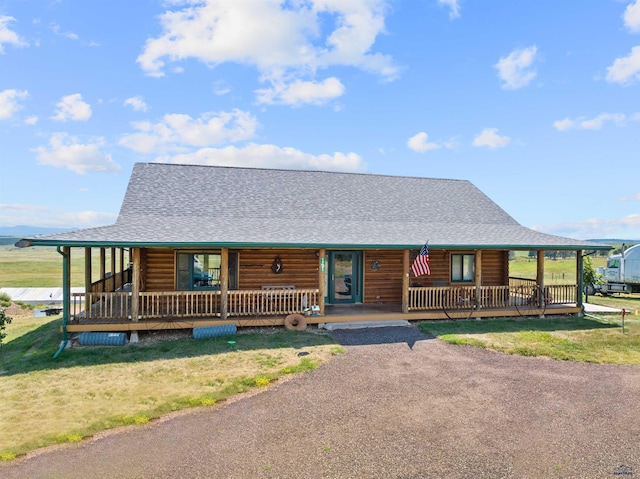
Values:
[(89, 389), (596, 340)]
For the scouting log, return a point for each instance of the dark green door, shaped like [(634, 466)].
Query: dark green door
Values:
[(345, 277)]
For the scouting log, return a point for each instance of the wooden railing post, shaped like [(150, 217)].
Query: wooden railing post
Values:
[(540, 278), (87, 277), (579, 277), (322, 278), (405, 281), (122, 268), (113, 270), (135, 285), (102, 269), (224, 283), (478, 277)]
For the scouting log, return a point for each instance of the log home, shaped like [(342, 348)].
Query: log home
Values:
[(205, 245)]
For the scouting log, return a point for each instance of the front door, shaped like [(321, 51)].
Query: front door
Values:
[(345, 277)]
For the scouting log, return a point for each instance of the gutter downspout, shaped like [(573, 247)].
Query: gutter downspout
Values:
[(65, 301)]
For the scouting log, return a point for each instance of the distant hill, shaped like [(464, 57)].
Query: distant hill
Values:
[(23, 231), (613, 241)]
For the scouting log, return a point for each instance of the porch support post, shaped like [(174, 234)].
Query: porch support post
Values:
[(405, 281), (579, 277), (87, 276), (113, 270), (135, 284), (540, 278), (322, 274), (102, 269), (224, 283), (478, 275), (122, 268)]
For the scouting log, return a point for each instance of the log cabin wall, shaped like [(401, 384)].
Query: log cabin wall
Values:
[(439, 264), (158, 269), (385, 284), (299, 268), (495, 268)]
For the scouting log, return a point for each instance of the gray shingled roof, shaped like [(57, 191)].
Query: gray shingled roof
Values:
[(211, 205)]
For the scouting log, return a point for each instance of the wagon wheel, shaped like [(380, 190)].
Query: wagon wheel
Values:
[(531, 300), (460, 312)]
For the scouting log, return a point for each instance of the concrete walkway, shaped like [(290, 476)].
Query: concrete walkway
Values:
[(37, 295), (595, 308), (397, 405)]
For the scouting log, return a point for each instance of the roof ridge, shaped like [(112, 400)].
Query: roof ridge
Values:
[(294, 170)]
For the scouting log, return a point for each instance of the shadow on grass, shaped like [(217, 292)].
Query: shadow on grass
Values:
[(440, 328), (34, 350)]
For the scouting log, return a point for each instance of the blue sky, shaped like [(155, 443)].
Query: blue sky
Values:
[(536, 102)]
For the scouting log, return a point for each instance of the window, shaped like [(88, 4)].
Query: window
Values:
[(463, 267), (202, 271)]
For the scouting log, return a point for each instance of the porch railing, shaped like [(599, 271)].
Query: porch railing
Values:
[(179, 304), (113, 282), (519, 293), (270, 302), (100, 305), (193, 304)]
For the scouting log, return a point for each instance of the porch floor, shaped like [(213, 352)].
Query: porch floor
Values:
[(333, 313)]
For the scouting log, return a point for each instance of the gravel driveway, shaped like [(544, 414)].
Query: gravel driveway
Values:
[(397, 405)]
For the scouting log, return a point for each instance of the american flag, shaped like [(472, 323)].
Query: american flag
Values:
[(420, 265)]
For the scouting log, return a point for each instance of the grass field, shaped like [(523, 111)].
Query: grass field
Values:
[(86, 390), (41, 267)]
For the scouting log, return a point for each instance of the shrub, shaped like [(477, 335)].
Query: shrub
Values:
[(5, 300), (4, 320)]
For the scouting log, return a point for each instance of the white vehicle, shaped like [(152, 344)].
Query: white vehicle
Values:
[(622, 273)]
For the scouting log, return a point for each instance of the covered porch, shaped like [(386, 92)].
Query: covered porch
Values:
[(124, 310), (119, 301)]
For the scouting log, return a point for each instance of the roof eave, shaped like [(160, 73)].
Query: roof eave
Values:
[(28, 242)]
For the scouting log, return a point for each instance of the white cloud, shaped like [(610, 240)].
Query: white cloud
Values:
[(269, 156), (489, 137), (285, 41), (137, 103), (9, 102), (635, 197), (597, 122), (55, 28), (220, 87), (32, 120), (8, 36), (71, 107), (632, 16), (454, 7), (419, 143), (625, 69), (590, 124), (67, 152), (563, 125), (299, 92), (45, 216), (627, 226), (177, 131), (515, 71)]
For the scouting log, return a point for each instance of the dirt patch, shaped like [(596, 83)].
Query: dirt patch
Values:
[(15, 310)]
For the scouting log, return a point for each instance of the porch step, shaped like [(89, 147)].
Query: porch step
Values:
[(365, 324)]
